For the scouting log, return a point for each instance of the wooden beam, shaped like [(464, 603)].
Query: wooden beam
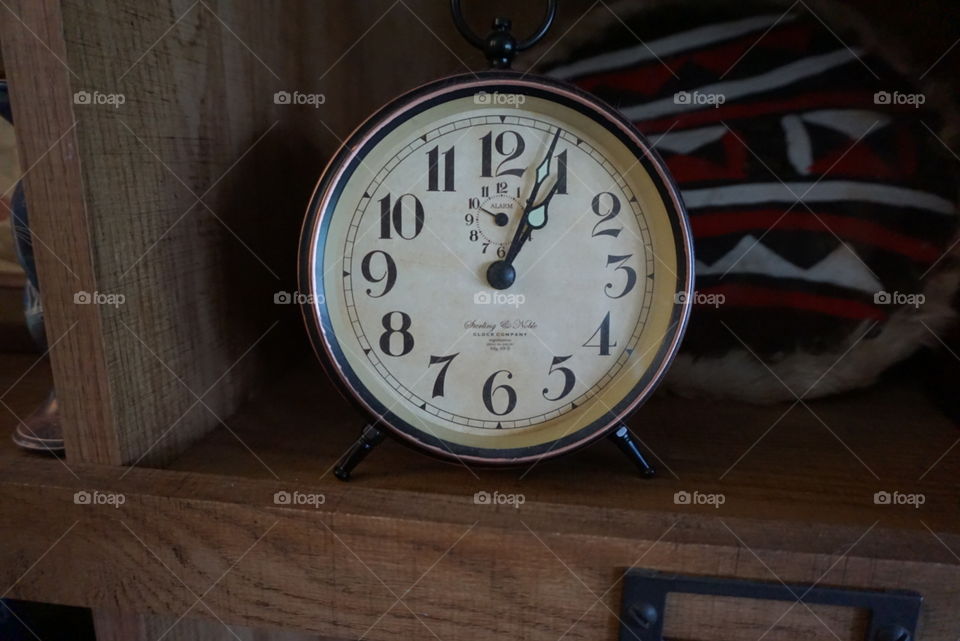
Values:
[(41, 94)]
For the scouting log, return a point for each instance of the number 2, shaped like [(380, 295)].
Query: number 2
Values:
[(605, 217)]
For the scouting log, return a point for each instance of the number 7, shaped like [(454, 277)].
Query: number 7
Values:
[(442, 376)]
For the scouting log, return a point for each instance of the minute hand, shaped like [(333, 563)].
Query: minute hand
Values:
[(535, 211)]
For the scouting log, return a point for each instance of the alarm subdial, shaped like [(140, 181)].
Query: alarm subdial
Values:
[(494, 219)]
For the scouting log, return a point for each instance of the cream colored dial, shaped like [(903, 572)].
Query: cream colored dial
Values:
[(410, 229)]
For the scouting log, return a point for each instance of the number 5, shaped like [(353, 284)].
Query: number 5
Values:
[(569, 378)]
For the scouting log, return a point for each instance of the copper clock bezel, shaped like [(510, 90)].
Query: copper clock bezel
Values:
[(324, 200)]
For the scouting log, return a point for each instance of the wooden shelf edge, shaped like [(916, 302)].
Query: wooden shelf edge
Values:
[(323, 569), (58, 482)]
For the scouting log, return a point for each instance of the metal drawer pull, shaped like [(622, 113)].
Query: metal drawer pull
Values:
[(893, 614)]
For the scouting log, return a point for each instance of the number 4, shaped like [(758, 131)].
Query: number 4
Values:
[(604, 332)]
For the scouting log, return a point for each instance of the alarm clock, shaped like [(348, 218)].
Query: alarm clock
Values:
[(498, 268)]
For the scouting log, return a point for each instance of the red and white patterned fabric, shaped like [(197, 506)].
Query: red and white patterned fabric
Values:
[(822, 203)]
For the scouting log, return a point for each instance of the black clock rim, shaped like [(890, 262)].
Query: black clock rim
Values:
[(344, 163)]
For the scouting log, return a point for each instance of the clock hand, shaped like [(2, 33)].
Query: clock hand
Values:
[(500, 219), (501, 274), (535, 218)]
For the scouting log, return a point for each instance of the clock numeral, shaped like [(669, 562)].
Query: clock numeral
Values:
[(605, 216), (569, 378), (620, 262), (604, 334), (389, 272), (442, 376), (407, 338), (501, 250), (562, 173), (433, 180), (508, 143), (392, 218), (489, 390)]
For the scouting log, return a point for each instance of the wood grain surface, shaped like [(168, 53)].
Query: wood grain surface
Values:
[(211, 525), (186, 197)]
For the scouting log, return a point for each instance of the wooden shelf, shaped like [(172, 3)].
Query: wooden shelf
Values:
[(585, 519), (818, 465)]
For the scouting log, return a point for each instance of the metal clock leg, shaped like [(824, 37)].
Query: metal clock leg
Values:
[(370, 437), (625, 440)]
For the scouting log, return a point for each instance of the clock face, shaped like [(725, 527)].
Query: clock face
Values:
[(497, 268)]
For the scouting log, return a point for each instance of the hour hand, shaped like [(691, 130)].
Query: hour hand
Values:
[(502, 274), (536, 218)]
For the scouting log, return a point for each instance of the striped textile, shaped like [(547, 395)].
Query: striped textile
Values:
[(809, 192)]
